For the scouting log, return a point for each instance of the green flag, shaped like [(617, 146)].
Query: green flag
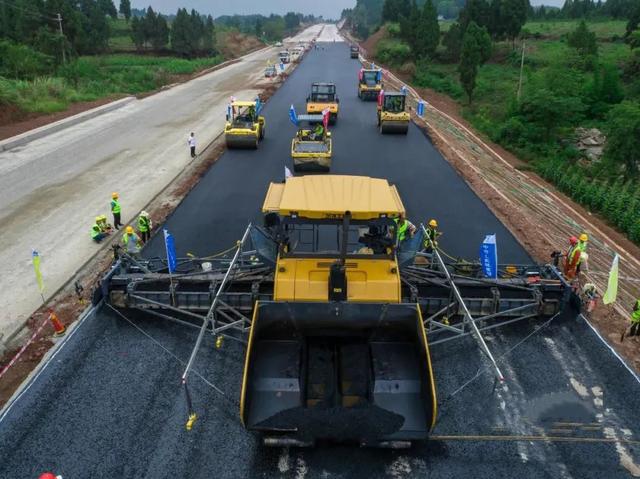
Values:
[(612, 286), (36, 267)]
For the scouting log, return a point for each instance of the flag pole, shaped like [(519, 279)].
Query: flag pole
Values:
[(166, 248)]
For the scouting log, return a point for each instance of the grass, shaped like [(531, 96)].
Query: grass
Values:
[(604, 29), (93, 78), (120, 39)]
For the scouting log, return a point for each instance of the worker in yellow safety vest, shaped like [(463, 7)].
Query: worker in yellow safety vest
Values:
[(144, 226), (582, 246), (403, 226), (116, 210), (635, 319), (97, 234), (431, 239), (131, 241)]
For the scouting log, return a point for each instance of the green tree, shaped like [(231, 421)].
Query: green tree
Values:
[(392, 10), (180, 37), (583, 40), (623, 136), (427, 31), (125, 9), (108, 8), (476, 11), (476, 50), (137, 33), (546, 111), (513, 15), (259, 27), (160, 36), (208, 44), (409, 26), (452, 41), (291, 21)]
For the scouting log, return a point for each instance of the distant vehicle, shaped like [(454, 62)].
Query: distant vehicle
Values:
[(284, 56), (278, 44), (355, 51), (270, 71)]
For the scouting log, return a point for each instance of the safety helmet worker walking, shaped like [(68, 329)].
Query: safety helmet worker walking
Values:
[(431, 238)]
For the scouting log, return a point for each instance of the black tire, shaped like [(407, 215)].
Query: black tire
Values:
[(262, 133)]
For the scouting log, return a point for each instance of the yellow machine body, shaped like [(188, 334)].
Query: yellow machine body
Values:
[(241, 131)]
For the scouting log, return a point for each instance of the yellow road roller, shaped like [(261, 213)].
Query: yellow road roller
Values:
[(311, 148), (392, 117), (369, 84), (245, 126), (323, 96)]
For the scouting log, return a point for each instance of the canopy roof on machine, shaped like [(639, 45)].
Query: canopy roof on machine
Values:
[(243, 103), (330, 196)]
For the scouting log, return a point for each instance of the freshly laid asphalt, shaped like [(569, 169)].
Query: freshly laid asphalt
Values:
[(110, 403)]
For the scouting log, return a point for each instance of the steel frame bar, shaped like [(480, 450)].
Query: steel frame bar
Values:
[(210, 314), (467, 314)]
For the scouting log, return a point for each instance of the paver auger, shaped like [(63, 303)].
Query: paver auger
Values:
[(339, 316)]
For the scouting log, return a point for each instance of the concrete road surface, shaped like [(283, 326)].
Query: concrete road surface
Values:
[(110, 404), (51, 189)]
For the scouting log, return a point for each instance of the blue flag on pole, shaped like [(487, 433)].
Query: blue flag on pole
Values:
[(292, 115), (258, 105), (489, 256), (170, 246), (228, 112)]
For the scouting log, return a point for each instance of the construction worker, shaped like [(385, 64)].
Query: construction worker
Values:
[(144, 226), (431, 240), (116, 210), (131, 241), (96, 233), (318, 132), (105, 227), (402, 227), (191, 141), (582, 246), (571, 258), (635, 319)]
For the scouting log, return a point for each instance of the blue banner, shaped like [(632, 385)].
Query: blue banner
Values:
[(292, 115), (170, 246), (258, 106), (379, 76), (420, 109), (489, 256), (229, 112)]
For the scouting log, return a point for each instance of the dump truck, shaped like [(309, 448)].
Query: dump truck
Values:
[(355, 51), (392, 117), (337, 313), (369, 83), (270, 71), (311, 151), (245, 126), (323, 96)]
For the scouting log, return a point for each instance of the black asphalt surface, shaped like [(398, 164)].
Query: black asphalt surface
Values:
[(110, 406)]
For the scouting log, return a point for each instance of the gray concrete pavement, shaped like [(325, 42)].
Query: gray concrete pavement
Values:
[(110, 405), (52, 188)]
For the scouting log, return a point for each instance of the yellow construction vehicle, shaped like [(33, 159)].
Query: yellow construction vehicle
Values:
[(392, 117), (337, 354), (245, 126), (311, 149), (323, 96), (369, 83)]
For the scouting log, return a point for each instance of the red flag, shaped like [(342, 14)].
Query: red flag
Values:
[(360, 74), (325, 118), (380, 96)]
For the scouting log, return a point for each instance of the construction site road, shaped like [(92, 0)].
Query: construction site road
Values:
[(110, 404), (52, 188)]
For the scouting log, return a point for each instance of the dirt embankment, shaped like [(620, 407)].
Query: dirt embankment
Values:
[(235, 44)]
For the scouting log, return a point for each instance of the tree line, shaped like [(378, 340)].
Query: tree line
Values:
[(189, 35), (270, 28)]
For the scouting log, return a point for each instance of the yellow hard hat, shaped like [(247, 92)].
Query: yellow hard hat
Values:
[(129, 230), (114, 195), (98, 218), (433, 223), (584, 237)]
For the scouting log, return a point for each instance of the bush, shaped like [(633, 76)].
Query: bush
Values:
[(442, 81), (21, 62), (393, 52), (393, 29)]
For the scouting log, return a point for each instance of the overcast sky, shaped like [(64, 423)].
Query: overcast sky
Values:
[(326, 8)]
